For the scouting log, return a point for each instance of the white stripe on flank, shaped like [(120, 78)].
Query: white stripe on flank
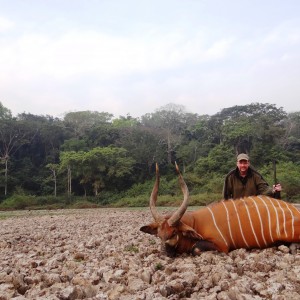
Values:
[(240, 225), (269, 217), (260, 220), (228, 222), (253, 231), (277, 219), (283, 214), (298, 211), (212, 214), (293, 219)]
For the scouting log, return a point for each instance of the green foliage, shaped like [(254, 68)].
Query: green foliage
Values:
[(214, 184), (122, 122), (152, 242), (5, 113), (107, 197), (238, 130), (131, 248), (74, 144), (18, 202), (140, 201), (169, 122), (200, 199), (81, 121), (167, 187), (288, 174), (103, 135), (246, 127), (220, 159), (159, 266), (83, 204), (140, 189), (98, 160), (190, 152), (22, 201)]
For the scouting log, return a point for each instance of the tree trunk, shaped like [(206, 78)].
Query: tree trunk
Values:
[(54, 177), (69, 182), (5, 174), (169, 149)]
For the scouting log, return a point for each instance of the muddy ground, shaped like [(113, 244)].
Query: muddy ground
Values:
[(101, 254)]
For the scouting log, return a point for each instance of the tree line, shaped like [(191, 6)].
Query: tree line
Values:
[(93, 154)]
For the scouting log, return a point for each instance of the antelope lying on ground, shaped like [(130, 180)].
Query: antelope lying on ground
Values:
[(250, 222)]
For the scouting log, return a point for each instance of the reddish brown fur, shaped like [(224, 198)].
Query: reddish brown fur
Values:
[(251, 222)]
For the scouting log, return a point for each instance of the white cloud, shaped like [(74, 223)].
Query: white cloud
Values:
[(285, 34), (106, 62), (220, 48), (5, 24), (89, 52)]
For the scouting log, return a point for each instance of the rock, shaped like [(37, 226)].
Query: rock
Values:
[(115, 292), (146, 276), (83, 256), (176, 286), (5, 278), (284, 249), (6, 291), (108, 276), (70, 293), (135, 284), (50, 279), (79, 256)]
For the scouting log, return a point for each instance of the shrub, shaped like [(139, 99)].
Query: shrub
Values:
[(131, 248), (18, 202), (83, 204), (288, 174), (140, 201)]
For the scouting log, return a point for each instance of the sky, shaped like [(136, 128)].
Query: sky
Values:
[(133, 57)]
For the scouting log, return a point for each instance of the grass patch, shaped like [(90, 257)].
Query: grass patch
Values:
[(158, 266), (167, 200), (83, 204), (131, 248), (152, 242)]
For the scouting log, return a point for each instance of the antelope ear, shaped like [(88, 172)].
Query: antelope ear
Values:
[(189, 232), (151, 228)]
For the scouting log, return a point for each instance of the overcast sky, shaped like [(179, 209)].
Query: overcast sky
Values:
[(134, 56)]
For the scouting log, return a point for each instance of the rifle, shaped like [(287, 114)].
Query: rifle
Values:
[(277, 193)]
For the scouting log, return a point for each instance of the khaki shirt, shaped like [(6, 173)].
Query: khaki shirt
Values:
[(253, 184)]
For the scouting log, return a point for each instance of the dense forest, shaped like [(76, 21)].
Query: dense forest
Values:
[(111, 161)]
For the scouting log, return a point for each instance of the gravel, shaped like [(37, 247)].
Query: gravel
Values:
[(101, 254)]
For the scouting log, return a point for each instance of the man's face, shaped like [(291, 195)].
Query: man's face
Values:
[(243, 166)]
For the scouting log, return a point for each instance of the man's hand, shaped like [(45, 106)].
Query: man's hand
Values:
[(276, 187)]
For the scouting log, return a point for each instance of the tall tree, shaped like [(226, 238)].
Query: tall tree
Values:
[(290, 140), (107, 165), (69, 161), (143, 144), (82, 121), (255, 128), (5, 113), (54, 168), (13, 135), (170, 121), (102, 135)]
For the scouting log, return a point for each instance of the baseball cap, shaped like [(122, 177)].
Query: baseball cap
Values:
[(242, 156)]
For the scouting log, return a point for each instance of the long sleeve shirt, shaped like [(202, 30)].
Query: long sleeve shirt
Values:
[(236, 186)]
